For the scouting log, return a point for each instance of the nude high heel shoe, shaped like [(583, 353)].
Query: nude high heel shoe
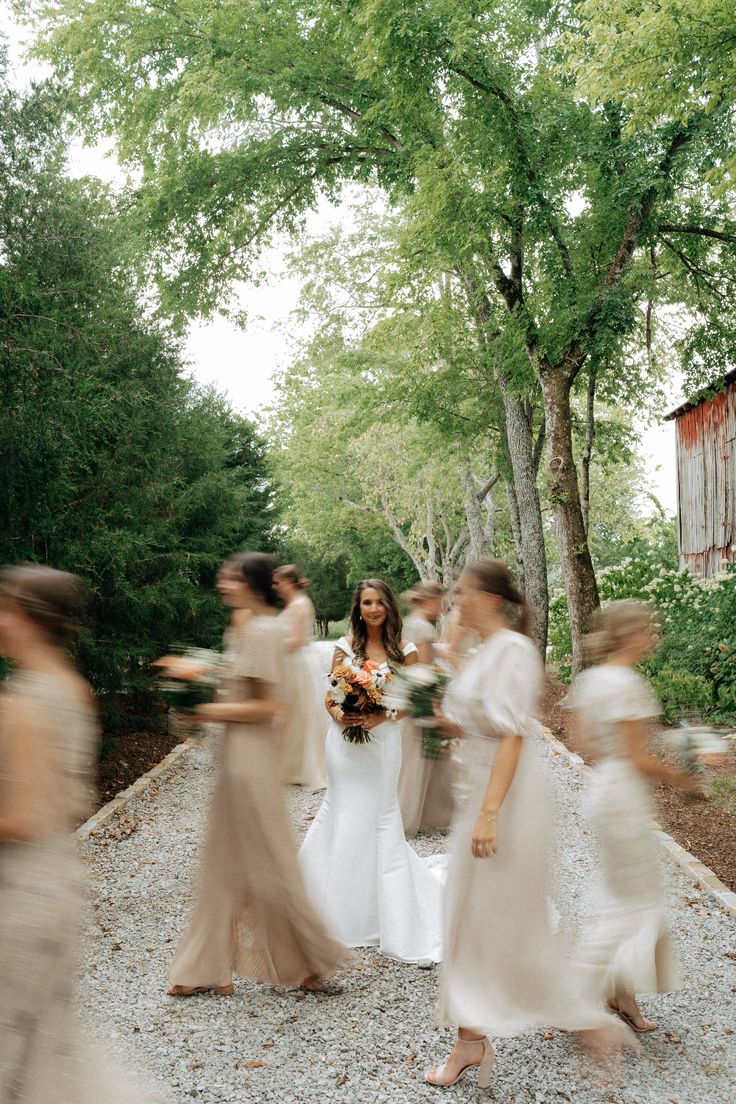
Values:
[(437, 1076)]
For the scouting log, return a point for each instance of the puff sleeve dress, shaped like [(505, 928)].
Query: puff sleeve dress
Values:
[(505, 971), (628, 947)]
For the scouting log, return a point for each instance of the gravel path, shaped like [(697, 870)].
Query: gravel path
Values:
[(372, 1042)]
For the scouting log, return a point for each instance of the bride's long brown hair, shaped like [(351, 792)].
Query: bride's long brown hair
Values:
[(391, 628)]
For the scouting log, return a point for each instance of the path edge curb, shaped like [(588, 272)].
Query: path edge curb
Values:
[(115, 807), (693, 867)]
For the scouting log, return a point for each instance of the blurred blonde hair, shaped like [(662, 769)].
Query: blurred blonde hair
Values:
[(614, 624), (420, 592)]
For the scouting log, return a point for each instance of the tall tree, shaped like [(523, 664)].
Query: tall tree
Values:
[(114, 465), (240, 115)]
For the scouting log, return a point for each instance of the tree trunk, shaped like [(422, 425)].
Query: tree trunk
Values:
[(577, 566), (587, 451), (516, 530), (477, 547), (520, 440)]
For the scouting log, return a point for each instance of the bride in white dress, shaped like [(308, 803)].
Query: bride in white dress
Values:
[(367, 882)]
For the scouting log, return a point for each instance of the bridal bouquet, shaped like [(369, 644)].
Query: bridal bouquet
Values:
[(360, 688), (416, 691), (190, 679)]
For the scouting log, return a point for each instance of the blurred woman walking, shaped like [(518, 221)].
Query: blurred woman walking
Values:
[(628, 950), (48, 747), (504, 972), (251, 915), (425, 785), (306, 721)]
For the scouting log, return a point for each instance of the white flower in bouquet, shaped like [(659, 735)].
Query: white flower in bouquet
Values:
[(421, 674)]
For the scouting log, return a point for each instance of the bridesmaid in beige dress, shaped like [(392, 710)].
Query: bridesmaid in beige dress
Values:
[(307, 721), (504, 970), (629, 948), (251, 916), (425, 785), (48, 745)]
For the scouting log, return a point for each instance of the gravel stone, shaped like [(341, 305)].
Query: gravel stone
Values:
[(373, 1041)]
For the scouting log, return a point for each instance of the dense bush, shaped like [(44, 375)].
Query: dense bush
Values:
[(694, 667), (114, 464)]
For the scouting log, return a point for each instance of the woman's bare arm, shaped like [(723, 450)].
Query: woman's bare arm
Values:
[(298, 637), (635, 737), (261, 708), (28, 783), (499, 783)]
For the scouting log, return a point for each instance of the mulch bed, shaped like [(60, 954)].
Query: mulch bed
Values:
[(704, 829), (129, 756)]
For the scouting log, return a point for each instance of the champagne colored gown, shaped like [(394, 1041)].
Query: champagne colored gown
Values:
[(425, 785), (628, 947), (505, 971), (44, 1055), (252, 916), (307, 721)]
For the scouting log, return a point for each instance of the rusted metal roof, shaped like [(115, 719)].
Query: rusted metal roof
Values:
[(702, 396)]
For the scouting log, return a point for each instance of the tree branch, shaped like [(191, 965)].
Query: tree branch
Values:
[(539, 445), (702, 231), (524, 160)]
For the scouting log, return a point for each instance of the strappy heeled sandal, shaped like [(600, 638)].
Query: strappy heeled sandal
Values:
[(630, 1020), (437, 1076)]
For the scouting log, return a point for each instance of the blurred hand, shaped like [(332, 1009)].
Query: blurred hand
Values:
[(372, 720), (448, 728), (484, 837), (348, 720)]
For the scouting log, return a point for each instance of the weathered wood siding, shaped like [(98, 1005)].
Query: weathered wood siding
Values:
[(706, 483)]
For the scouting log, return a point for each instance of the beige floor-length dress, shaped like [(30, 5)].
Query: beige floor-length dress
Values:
[(45, 1058), (308, 720), (504, 970), (252, 916), (425, 785), (629, 945)]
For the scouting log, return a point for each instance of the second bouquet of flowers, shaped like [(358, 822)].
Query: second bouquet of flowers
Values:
[(360, 688), (416, 691), (191, 678)]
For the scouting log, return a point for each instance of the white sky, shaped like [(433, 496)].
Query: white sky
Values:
[(242, 362)]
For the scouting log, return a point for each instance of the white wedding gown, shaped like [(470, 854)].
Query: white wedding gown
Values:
[(369, 885)]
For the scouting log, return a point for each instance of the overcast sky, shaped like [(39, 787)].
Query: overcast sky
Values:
[(242, 363)]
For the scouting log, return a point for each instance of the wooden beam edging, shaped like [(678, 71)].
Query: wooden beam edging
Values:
[(693, 867), (113, 808)]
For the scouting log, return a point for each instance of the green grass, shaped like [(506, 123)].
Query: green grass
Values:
[(723, 793), (337, 629)]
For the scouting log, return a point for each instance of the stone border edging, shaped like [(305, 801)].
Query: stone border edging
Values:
[(113, 808), (692, 866)]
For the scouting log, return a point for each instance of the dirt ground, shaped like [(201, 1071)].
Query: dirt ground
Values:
[(128, 757), (701, 826)]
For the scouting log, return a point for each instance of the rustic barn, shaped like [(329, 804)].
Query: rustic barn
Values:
[(706, 478)]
